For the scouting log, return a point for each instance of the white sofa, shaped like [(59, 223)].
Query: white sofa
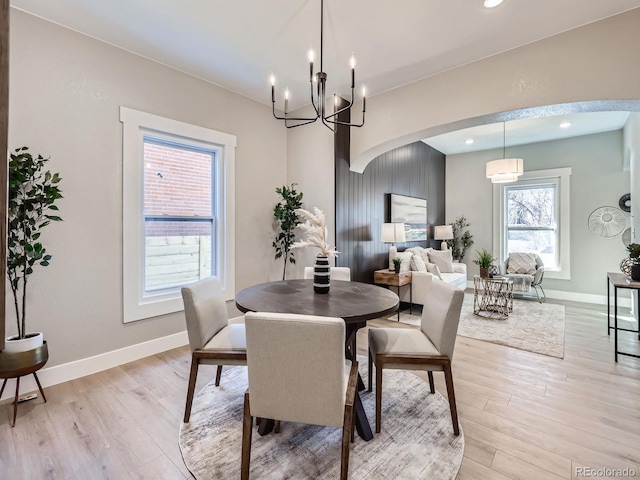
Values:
[(420, 279)]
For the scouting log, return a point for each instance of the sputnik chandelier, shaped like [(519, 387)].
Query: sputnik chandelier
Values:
[(318, 83)]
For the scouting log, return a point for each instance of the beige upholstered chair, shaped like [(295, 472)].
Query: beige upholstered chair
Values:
[(335, 273), (429, 348), (298, 373), (525, 276), (213, 337)]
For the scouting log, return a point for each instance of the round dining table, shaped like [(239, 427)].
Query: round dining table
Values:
[(354, 302)]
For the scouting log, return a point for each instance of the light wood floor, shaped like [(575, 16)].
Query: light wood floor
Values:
[(524, 416)]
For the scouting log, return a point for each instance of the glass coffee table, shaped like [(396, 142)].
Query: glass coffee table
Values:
[(492, 297)]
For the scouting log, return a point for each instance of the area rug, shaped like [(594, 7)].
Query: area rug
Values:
[(416, 442), (531, 326)]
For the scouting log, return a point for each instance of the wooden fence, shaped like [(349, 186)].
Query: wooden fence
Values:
[(173, 261)]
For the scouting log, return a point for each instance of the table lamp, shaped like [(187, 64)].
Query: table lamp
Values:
[(443, 232), (392, 233)]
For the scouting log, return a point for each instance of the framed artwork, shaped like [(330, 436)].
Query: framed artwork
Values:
[(412, 212)]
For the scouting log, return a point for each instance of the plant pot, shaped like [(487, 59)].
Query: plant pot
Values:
[(31, 341), (484, 272), (321, 275), (635, 272), (396, 268)]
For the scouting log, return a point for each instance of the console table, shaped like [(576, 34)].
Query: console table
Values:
[(619, 280)]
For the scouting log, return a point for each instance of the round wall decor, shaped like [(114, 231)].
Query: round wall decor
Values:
[(626, 237), (625, 202), (607, 222)]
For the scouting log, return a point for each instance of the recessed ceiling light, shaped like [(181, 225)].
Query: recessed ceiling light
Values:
[(565, 124), (468, 141), (492, 3)]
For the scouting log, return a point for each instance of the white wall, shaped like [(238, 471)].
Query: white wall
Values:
[(597, 180), (316, 179), (632, 161), (65, 94)]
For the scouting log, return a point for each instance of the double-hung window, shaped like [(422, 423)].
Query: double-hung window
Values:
[(177, 211), (532, 215)]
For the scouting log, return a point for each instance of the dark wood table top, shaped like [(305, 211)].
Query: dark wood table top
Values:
[(352, 301)]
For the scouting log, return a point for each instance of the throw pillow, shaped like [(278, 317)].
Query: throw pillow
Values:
[(405, 266), (522, 263), (424, 253), (415, 250), (443, 259), (417, 264), (433, 269)]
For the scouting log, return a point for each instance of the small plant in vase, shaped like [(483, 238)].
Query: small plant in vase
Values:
[(397, 262), (316, 233), (484, 260), (634, 256)]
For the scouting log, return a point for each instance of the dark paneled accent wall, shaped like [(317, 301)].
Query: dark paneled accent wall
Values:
[(416, 170)]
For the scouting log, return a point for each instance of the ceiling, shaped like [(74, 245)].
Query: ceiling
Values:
[(238, 44), (528, 130)]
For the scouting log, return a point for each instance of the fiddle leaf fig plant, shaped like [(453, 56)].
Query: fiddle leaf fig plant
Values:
[(287, 220), (33, 193)]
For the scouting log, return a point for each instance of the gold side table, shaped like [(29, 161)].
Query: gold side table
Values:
[(492, 297), (19, 364)]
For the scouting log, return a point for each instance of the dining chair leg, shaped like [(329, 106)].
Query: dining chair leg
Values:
[(370, 365), (276, 426), (452, 398), (431, 385), (4, 384), (247, 424), (191, 388), (347, 435), (218, 375), (379, 368)]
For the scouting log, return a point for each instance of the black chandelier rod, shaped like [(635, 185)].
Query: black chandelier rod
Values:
[(320, 97)]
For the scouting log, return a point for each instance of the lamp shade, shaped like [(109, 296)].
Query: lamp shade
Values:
[(443, 232), (392, 233), (504, 170)]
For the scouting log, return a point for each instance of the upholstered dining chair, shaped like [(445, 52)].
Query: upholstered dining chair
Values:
[(213, 337), (336, 273), (298, 373), (429, 348)]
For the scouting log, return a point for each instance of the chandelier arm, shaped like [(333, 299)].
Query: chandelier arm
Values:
[(299, 124), (328, 125), (313, 100), (285, 118)]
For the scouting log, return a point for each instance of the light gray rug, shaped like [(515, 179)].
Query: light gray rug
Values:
[(416, 441), (532, 326)]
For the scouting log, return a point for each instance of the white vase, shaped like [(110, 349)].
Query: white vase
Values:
[(15, 344)]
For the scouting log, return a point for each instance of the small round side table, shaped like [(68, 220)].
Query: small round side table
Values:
[(19, 364)]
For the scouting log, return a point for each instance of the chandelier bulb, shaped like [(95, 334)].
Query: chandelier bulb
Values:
[(352, 62), (272, 79), (311, 55)]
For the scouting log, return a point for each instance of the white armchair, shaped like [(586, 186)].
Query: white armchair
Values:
[(527, 270)]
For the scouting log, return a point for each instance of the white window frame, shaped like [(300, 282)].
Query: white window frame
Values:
[(136, 304), (561, 177)]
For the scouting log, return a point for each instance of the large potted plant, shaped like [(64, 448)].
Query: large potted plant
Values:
[(286, 222), (462, 238), (33, 192)]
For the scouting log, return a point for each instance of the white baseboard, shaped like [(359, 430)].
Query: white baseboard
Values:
[(87, 366), (624, 302)]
